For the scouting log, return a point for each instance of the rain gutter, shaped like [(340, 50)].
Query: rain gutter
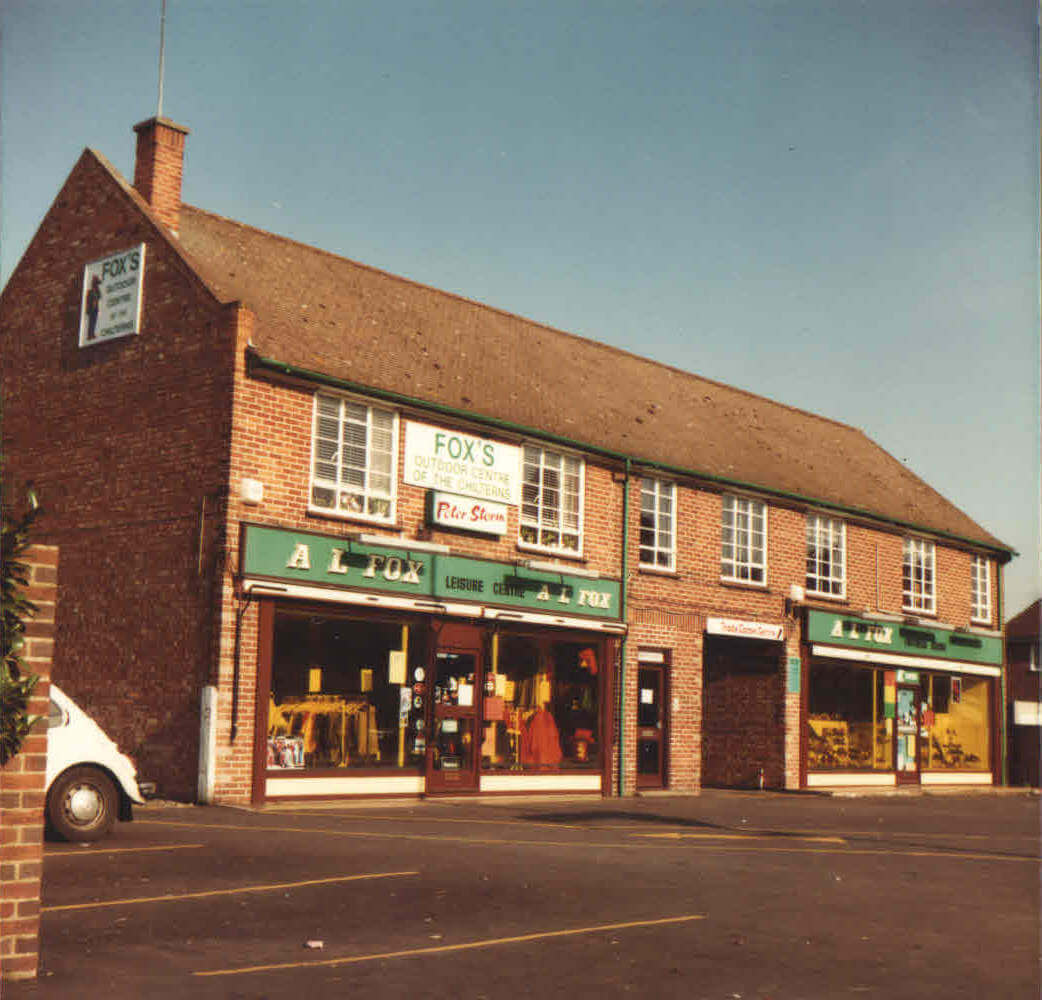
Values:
[(256, 361)]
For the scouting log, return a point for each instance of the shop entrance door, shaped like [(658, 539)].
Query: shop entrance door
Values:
[(455, 695), (651, 726), (906, 735)]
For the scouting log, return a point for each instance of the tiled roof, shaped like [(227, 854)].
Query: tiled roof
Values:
[(1026, 625), (325, 313)]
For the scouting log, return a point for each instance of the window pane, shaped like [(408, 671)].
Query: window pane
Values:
[(550, 500), (330, 707)]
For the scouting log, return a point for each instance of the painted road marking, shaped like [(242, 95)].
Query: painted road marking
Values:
[(446, 948), (620, 845), (86, 853), (740, 836), (349, 816), (221, 892)]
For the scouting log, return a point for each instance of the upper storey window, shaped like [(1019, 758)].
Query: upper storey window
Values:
[(980, 589), (918, 577), (658, 524), (354, 449), (743, 548), (826, 556), (551, 501)]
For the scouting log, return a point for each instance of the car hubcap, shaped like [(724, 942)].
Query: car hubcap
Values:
[(84, 804)]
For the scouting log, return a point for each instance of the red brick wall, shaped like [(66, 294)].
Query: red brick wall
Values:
[(126, 441), (22, 788), (159, 167)]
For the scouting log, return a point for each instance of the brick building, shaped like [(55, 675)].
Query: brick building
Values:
[(326, 531), (1024, 695)]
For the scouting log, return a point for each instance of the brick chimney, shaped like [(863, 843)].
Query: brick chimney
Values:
[(159, 165)]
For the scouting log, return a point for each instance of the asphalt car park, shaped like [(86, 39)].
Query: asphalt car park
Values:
[(725, 895)]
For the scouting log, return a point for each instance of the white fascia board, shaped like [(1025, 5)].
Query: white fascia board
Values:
[(265, 588), (900, 660)]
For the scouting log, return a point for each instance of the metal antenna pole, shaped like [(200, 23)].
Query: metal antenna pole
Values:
[(162, 41)]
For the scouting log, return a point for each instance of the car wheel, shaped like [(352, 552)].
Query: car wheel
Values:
[(82, 804)]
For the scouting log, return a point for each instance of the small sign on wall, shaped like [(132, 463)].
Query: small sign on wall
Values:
[(467, 513), (792, 673), (110, 306)]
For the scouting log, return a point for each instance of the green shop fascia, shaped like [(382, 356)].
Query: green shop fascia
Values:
[(306, 564)]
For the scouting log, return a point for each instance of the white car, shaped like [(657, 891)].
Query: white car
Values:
[(89, 782)]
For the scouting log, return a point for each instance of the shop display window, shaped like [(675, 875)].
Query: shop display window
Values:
[(345, 694), (541, 706), (955, 720), (847, 724)]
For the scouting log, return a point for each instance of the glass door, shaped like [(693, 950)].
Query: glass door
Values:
[(651, 727), (906, 735), (455, 694)]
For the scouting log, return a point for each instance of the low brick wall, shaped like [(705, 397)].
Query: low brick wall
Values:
[(22, 790)]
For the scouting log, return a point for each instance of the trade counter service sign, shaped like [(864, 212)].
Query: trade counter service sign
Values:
[(440, 459), (111, 303)]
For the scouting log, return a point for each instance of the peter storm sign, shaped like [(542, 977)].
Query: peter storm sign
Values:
[(110, 306), (451, 511)]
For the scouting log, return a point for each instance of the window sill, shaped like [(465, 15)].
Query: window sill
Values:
[(658, 571), (544, 550), (834, 598), (333, 515), (743, 584), (918, 613)]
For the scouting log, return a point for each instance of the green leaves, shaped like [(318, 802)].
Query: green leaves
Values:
[(16, 686)]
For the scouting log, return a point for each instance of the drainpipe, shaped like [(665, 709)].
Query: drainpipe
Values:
[(1004, 708), (623, 614)]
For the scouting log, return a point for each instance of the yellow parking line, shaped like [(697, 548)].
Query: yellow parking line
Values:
[(445, 948), (86, 852), (220, 892), (424, 819), (739, 836), (619, 845)]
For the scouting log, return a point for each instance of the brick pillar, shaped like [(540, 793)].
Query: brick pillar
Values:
[(22, 788), (794, 681)]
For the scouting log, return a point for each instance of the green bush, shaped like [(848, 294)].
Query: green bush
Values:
[(16, 684)]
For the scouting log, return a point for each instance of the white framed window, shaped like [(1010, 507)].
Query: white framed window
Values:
[(658, 524), (918, 577), (743, 541), (826, 556), (354, 449), (980, 589), (551, 501)]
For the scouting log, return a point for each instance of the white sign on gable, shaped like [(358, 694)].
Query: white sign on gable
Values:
[(440, 459), (111, 303)]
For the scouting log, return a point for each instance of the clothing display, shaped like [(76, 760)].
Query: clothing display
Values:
[(330, 729), (540, 741)]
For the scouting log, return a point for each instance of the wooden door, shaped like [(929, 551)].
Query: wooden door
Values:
[(651, 726), (456, 679)]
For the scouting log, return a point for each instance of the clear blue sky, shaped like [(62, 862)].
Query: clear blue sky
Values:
[(834, 204)]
